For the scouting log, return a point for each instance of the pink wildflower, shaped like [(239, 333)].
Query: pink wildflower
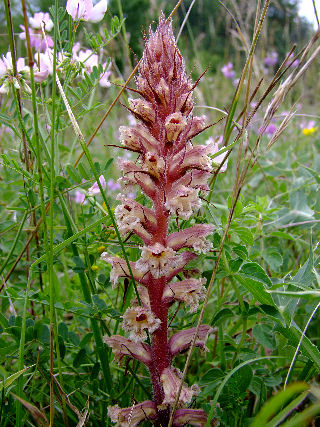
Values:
[(228, 71), (84, 10), (92, 191), (271, 59)]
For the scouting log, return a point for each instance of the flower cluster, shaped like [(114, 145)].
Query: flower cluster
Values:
[(171, 171), (39, 26)]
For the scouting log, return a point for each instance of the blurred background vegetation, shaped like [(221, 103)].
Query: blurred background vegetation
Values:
[(210, 29)]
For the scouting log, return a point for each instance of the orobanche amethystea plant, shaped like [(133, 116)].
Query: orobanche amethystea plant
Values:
[(171, 172)]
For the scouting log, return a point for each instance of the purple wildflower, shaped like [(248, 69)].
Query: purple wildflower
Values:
[(271, 59), (228, 71)]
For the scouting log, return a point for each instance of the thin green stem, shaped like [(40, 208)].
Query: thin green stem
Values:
[(14, 242), (101, 349), (124, 32), (21, 350)]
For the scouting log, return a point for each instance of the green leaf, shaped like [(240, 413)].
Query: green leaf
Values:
[(63, 330), (236, 386), (84, 171), (86, 339), (241, 251), (275, 404), (256, 288), (212, 376), (256, 272), (73, 337), (281, 235), (293, 334), (305, 276), (273, 258), (80, 358), (99, 302), (264, 334), (73, 173), (227, 378), (245, 235), (221, 316), (45, 334), (13, 377)]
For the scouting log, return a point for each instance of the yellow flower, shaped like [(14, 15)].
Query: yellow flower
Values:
[(94, 268), (101, 249), (309, 131)]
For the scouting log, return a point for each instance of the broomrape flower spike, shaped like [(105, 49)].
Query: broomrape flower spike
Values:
[(171, 172)]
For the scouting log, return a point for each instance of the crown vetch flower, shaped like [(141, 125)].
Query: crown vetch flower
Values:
[(95, 188), (84, 9), (39, 19)]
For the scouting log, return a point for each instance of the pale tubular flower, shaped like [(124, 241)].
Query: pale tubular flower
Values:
[(194, 417), (181, 341), (171, 379), (183, 201), (79, 9), (190, 291), (174, 125), (136, 320), (39, 19), (122, 346), (195, 179), (143, 109), (92, 191), (120, 269), (131, 216), (158, 260), (182, 260), (154, 164), (84, 9), (191, 158), (144, 297), (193, 237), (133, 416), (3, 68), (134, 174), (195, 125), (138, 139)]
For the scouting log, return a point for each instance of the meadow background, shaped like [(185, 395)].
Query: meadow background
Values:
[(57, 302)]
